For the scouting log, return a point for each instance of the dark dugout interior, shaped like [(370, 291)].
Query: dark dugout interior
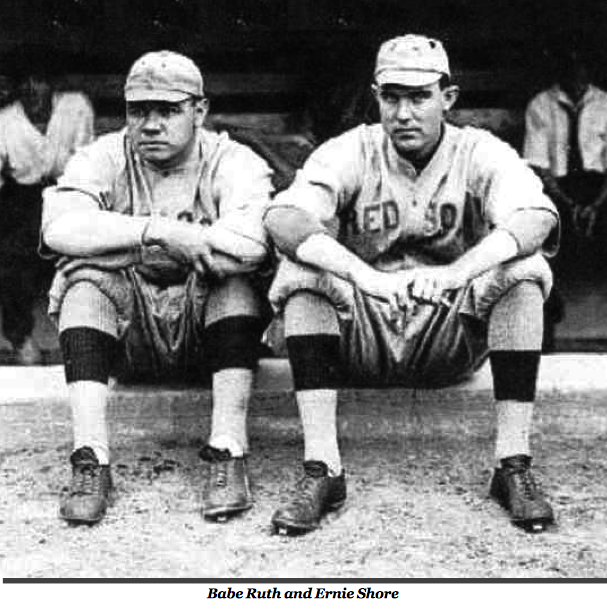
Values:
[(300, 53)]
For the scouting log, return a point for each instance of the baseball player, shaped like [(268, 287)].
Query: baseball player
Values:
[(412, 249), (160, 229)]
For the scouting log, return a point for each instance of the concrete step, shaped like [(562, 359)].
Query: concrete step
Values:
[(572, 392)]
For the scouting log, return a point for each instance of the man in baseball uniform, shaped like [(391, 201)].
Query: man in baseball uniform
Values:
[(412, 250), (160, 231)]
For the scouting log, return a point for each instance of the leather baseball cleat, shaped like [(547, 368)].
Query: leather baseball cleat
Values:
[(515, 489), (227, 490), (90, 490), (315, 494)]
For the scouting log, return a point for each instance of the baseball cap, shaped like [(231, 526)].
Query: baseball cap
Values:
[(411, 61), (163, 76)]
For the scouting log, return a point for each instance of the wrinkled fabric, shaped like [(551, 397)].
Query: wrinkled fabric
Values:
[(432, 347)]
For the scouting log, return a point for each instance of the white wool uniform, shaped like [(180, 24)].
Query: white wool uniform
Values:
[(160, 302), (377, 205)]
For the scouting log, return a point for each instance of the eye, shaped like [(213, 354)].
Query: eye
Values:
[(419, 97), (389, 98), (135, 111)]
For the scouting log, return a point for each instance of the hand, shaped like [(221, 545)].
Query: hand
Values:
[(393, 288), (407, 289), (108, 262), (431, 284), (185, 242)]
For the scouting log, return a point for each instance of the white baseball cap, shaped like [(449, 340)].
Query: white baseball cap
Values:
[(163, 76), (411, 61)]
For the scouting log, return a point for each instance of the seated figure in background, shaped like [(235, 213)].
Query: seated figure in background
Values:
[(40, 129), (566, 144)]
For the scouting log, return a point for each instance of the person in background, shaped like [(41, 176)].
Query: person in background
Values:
[(566, 145), (40, 129)]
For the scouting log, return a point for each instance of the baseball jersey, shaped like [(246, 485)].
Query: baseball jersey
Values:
[(547, 124), (220, 179), (382, 209), (28, 155)]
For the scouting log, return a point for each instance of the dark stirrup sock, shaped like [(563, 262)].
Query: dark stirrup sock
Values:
[(233, 342), (88, 354), (514, 374), (315, 361)]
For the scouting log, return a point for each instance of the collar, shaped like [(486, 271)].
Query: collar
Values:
[(563, 98), (408, 167)]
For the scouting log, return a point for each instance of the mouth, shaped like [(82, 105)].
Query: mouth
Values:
[(406, 132), (152, 144)]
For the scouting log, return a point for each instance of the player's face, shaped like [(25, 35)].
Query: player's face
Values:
[(164, 132), (413, 116)]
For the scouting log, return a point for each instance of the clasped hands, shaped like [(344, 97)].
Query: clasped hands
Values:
[(407, 289)]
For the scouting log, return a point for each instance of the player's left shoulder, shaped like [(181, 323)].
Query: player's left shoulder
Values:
[(481, 142), (222, 149)]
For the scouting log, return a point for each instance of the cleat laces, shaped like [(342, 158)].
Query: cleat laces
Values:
[(525, 481), (86, 481), (305, 495), (221, 477)]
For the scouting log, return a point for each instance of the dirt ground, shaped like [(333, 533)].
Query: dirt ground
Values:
[(417, 507)]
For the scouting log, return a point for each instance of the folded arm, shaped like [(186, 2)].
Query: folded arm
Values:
[(302, 237), (86, 231)]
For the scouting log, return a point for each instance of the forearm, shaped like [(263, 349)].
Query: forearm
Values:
[(93, 232), (323, 252), (495, 249), (235, 246)]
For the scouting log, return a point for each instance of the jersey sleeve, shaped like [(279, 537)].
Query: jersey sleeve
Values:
[(329, 179), (87, 180), (243, 187), (535, 146), (510, 190)]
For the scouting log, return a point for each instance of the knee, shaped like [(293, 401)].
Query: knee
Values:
[(530, 270), (234, 296), (85, 305), (310, 313), (517, 318)]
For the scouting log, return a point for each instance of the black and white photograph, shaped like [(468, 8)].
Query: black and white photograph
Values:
[(303, 291)]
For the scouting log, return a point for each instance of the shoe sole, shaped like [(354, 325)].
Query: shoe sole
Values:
[(534, 525), (292, 528), (90, 521), (225, 512)]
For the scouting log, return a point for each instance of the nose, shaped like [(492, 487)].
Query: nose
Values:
[(403, 109), (152, 122)]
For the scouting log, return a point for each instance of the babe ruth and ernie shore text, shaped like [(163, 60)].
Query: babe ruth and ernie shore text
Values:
[(269, 593)]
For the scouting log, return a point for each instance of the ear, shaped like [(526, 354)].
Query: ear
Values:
[(450, 95), (201, 109), (375, 90)]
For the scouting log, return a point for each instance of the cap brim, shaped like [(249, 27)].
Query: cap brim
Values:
[(137, 95), (407, 78)]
